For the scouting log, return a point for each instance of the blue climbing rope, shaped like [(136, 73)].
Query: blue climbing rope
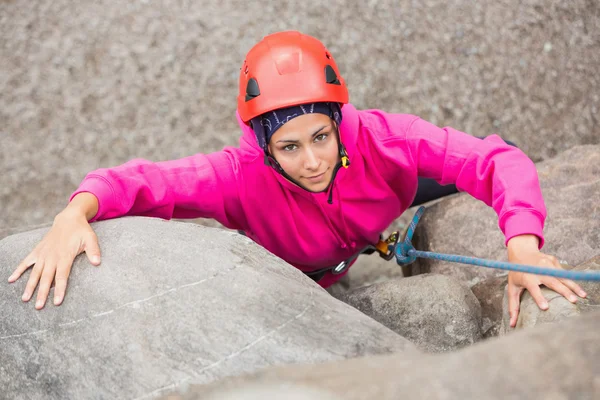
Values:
[(406, 254)]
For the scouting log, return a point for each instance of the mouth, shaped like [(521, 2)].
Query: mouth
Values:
[(316, 178)]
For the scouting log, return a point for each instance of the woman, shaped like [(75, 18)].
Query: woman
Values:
[(314, 180)]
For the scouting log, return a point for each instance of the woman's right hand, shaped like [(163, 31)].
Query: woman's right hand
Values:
[(52, 259)]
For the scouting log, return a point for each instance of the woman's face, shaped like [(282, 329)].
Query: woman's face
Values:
[(306, 147)]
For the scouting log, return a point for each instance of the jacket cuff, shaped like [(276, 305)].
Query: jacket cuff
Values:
[(100, 188), (523, 222)]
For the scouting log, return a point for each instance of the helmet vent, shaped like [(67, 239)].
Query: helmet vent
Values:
[(331, 76), (252, 89)]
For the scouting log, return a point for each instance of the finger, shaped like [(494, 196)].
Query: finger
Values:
[(92, 249), (34, 278), (538, 297), (22, 267), (45, 283), (514, 300), (570, 286), (60, 280), (574, 287), (560, 288)]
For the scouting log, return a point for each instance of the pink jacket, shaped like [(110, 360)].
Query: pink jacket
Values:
[(387, 153)]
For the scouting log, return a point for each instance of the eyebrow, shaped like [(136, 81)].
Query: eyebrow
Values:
[(312, 136)]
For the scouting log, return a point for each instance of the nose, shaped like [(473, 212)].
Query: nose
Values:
[(311, 162)]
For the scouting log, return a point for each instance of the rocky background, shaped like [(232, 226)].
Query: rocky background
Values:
[(95, 83)]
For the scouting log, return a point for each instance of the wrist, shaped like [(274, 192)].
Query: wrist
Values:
[(523, 243), (84, 205)]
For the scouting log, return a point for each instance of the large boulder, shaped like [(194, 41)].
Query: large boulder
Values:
[(436, 312), (101, 83), (559, 361), (171, 302), (463, 225), (559, 308)]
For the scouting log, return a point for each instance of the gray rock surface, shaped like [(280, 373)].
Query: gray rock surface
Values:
[(259, 391), (559, 361), (101, 82), (559, 308), (490, 294), (463, 225), (437, 313), (170, 302)]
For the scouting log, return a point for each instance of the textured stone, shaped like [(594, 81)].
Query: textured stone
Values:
[(490, 294), (171, 302), (561, 361), (436, 312)]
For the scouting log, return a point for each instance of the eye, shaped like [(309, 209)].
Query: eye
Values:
[(290, 147), (321, 137)]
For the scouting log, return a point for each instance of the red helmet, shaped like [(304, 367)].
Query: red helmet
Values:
[(287, 69)]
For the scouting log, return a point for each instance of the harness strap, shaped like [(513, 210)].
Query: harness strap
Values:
[(385, 249)]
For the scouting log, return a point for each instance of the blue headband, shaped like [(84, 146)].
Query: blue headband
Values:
[(267, 124)]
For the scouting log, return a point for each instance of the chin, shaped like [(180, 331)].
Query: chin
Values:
[(318, 188)]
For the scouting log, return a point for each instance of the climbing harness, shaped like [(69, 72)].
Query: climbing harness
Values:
[(385, 249), (406, 254)]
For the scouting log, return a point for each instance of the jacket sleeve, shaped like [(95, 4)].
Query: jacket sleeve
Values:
[(500, 175), (199, 186)]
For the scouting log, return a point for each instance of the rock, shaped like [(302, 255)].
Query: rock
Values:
[(559, 308), (490, 294), (435, 312), (462, 225), (561, 361), (158, 80), (170, 302), (259, 391)]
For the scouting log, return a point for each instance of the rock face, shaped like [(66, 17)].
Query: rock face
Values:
[(561, 361), (436, 312), (102, 83), (463, 225), (559, 308), (170, 302), (490, 294)]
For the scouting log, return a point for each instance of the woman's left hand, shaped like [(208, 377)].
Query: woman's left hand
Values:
[(523, 249)]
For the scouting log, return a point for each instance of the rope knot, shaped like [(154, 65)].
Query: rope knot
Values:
[(403, 256)]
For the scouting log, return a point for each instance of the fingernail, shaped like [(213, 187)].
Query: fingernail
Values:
[(573, 298), (10, 278), (582, 294), (96, 259), (39, 303), (57, 300), (545, 306), (25, 297)]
